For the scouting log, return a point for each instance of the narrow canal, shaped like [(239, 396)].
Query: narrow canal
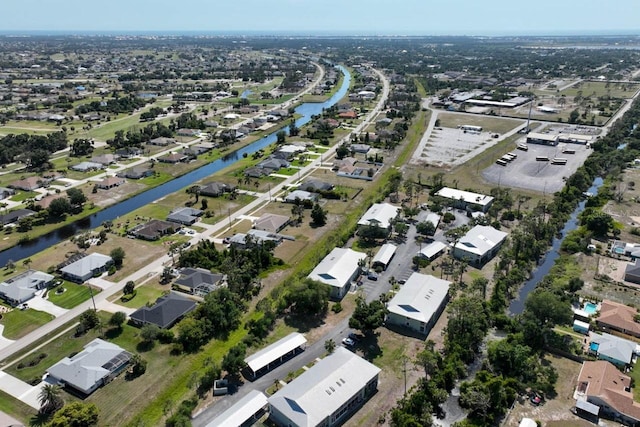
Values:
[(27, 249), (517, 305)]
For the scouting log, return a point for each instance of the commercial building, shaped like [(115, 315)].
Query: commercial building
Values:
[(542, 138), (273, 355), (244, 413), (327, 394), (419, 303), (337, 270), (379, 215), (466, 199), (384, 255), (479, 245)]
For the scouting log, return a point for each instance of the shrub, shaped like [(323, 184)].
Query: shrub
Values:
[(336, 307)]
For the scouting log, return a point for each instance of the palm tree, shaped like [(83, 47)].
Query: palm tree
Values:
[(50, 399)]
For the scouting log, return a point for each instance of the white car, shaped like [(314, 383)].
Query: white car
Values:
[(348, 342)]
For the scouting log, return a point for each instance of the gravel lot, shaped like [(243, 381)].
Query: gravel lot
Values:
[(452, 147), (525, 172)]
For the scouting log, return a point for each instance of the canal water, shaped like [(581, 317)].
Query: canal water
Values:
[(517, 305), (27, 249)]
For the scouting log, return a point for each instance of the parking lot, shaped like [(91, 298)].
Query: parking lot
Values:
[(448, 146), (528, 173)]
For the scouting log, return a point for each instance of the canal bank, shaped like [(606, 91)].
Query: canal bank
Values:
[(31, 247), (549, 260)]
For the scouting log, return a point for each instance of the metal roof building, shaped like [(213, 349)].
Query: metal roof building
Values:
[(244, 412), (479, 245), (327, 393), (419, 303), (463, 199), (432, 250), (288, 346), (384, 255), (337, 270), (380, 215)]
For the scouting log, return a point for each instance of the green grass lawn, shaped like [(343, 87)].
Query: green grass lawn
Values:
[(21, 196), (18, 323), (73, 295), (14, 407), (144, 294)]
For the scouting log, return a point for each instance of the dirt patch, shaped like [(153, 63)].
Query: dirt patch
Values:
[(104, 198)]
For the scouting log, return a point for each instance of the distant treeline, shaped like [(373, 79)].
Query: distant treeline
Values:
[(15, 147)]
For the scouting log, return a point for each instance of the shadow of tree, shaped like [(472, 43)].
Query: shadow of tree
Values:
[(304, 323), (370, 347), (144, 346), (113, 333), (39, 419)]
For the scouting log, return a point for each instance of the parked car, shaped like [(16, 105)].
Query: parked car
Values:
[(372, 276), (348, 342), (535, 399)]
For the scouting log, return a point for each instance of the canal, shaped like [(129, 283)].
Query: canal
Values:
[(517, 305), (31, 247)]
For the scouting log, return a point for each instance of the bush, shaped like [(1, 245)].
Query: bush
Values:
[(128, 297), (165, 336), (112, 270), (336, 307)]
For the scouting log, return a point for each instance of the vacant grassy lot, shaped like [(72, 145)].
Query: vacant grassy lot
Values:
[(72, 296), (599, 89), (18, 323), (146, 293), (488, 123)]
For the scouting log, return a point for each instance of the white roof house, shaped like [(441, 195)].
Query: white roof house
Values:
[(24, 286), (384, 255), (87, 370), (320, 393), (275, 351), (244, 410), (84, 268), (419, 302), (480, 244), (337, 270), (466, 198), (380, 215)]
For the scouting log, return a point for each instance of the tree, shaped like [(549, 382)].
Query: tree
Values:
[(367, 317), (89, 319), (233, 361), (191, 334), (220, 312), (129, 287), (318, 215), (467, 326), (330, 346), (59, 207), (548, 308), (342, 151), (117, 319), (76, 414), (428, 359), (426, 228), (50, 399), (138, 365), (281, 137), (81, 147), (27, 262), (149, 332), (401, 228), (37, 159), (117, 255), (598, 222), (76, 197), (308, 297)]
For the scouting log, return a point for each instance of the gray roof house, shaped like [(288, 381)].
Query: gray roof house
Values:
[(271, 222), (96, 365), (632, 273), (612, 348), (84, 268), (87, 166), (327, 394), (215, 189), (198, 281), (24, 286), (167, 310), (300, 195), (315, 185), (15, 215), (184, 215)]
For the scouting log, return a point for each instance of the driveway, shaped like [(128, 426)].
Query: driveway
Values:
[(20, 390), (4, 342), (41, 304)]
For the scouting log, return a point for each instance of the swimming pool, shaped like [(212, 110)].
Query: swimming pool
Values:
[(590, 308), (594, 346)]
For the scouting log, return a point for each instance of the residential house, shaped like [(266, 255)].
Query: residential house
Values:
[(110, 182), (360, 148), (256, 172), (84, 268), (632, 273), (104, 159), (137, 172), (27, 184), (298, 196), (24, 286), (128, 152), (379, 215), (87, 166), (188, 132), (602, 384), (184, 215), (216, 189), (198, 281), (618, 317), (348, 115), (346, 161), (326, 394), (254, 237), (273, 164), (153, 230), (174, 158), (6, 192), (315, 185), (479, 245), (419, 303), (96, 365), (466, 199), (338, 270), (613, 349), (271, 222), (14, 216), (162, 141), (165, 313)]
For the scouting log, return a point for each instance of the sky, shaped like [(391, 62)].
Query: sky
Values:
[(325, 17)]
